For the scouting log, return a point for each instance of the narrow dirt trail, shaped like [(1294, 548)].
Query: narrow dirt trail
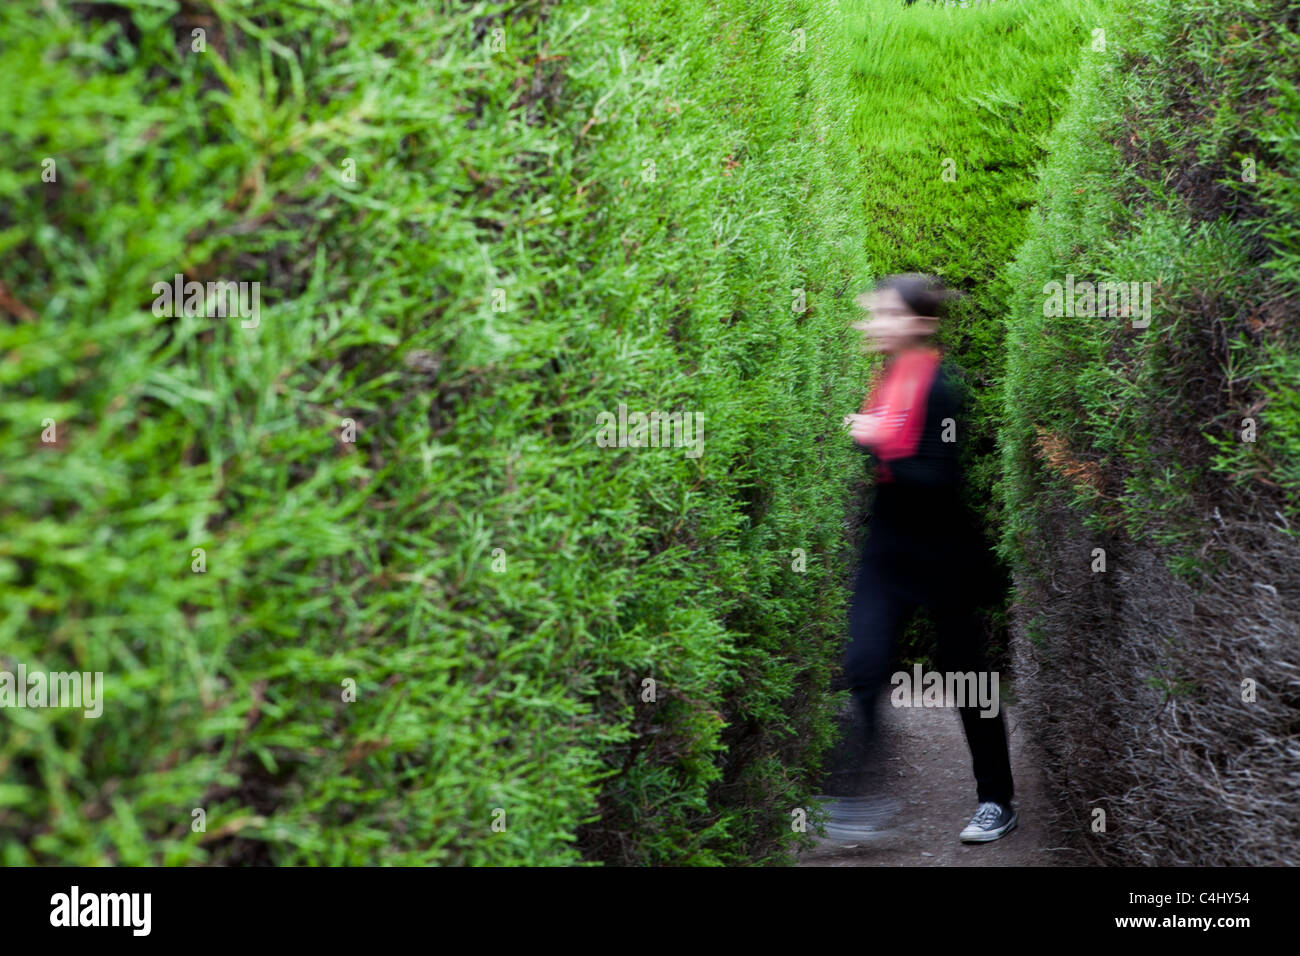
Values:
[(927, 769)]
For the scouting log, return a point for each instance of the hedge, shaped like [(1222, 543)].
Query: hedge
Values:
[(363, 584), (1150, 453)]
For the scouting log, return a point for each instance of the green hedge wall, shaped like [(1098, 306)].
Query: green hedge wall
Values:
[(1176, 165), (474, 229), (1151, 454)]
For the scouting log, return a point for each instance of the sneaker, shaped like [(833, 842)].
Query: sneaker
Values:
[(859, 819), (991, 822)]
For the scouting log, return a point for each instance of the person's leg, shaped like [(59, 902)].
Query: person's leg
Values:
[(878, 612), (864, 809), (960, 652)]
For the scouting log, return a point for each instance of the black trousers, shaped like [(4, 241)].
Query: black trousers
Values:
[(923, 551)]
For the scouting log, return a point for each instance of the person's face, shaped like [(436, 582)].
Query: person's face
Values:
[(890, 324)]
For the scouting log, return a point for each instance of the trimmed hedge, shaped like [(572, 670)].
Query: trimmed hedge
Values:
[(1161, 678), (475, 229)]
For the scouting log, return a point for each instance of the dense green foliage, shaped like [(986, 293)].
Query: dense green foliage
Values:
[(1177, 165), (1152, 456), (952, 108), (463, 249)]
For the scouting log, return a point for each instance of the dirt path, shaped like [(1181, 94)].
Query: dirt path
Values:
[(927, 769)]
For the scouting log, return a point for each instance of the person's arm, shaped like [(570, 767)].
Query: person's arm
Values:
[(892, 427), (867, 428)]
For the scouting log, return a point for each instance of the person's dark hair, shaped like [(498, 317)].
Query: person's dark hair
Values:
[(923, 294)]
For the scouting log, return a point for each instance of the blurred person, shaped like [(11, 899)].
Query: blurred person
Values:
[(922, 547)]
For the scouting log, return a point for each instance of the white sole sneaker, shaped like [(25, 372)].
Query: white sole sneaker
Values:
[(988, 836)]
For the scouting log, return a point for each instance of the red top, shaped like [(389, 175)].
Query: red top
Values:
[(897, 402)]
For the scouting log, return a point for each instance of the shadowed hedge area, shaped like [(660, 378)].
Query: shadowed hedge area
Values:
[(1159, 671), (475, 229)]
